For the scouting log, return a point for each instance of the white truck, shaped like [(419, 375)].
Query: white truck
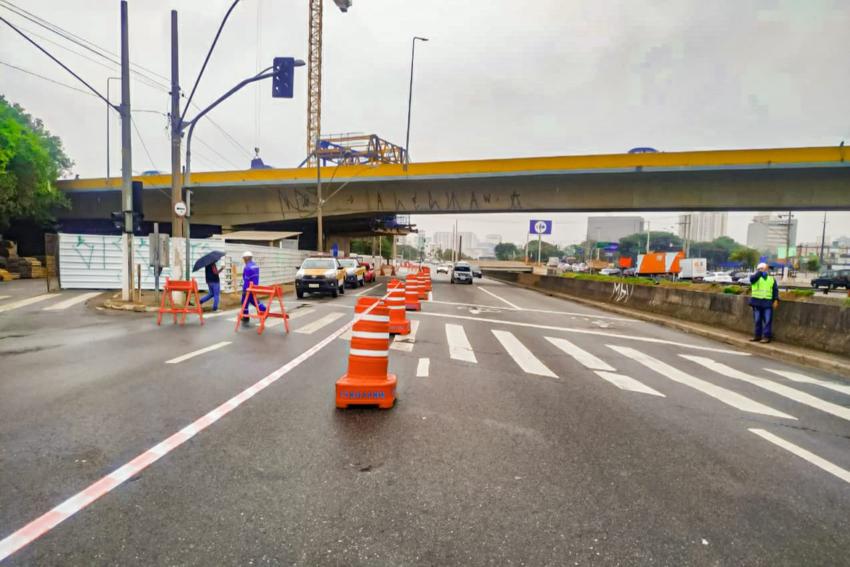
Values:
[(692, 268)]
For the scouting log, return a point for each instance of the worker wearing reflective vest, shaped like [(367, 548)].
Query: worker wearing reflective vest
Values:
[(764, 299), (250, 274)]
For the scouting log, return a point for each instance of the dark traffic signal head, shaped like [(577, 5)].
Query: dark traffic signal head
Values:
[(284, 77)]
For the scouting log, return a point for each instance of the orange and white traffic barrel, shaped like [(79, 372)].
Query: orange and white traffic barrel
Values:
[(395, 302)]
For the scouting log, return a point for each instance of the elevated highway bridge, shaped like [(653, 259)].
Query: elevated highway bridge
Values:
[(813, 178)]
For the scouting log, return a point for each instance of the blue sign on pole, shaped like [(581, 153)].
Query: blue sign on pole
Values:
[(335, 250), (536, 226)]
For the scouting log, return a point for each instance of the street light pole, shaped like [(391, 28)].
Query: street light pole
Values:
[(410, 100), (320, 241)]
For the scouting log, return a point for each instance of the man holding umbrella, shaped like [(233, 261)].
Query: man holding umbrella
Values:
[(211, 271)]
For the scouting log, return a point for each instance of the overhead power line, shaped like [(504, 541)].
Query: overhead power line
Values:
[(34, 74)]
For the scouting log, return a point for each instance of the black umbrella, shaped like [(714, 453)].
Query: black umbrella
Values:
[(207, 259)]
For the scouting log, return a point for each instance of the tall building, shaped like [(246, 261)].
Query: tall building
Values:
[(611, 228), (443, 240), (769, 232), (703, 227)]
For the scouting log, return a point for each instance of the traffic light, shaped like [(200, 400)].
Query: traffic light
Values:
[(117, 220), (284, 77), (138, 204)]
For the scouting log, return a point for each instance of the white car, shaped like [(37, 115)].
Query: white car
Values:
[(610, 272), (718, 277), (443, 269)]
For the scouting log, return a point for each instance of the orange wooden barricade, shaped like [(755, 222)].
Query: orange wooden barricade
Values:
[(258, 292), (190, 288)]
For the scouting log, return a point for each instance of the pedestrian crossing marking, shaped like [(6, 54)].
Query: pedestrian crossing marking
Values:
[(27, 301), (803, 379), (405, 342), (820, 462), (585, 358), (295, 314), (628, 383), (728, 397), (524, 358), (198, 352), (72, 301), (423, 367), (311, 328), (459, 347), (781, 389)]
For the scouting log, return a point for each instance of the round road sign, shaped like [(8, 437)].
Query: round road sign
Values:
[(540, 227), (180, 209)]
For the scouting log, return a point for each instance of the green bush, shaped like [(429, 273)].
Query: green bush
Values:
[(803, 292), (847, 302), (733, 289)]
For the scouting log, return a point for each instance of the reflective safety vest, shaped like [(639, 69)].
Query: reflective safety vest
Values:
[(763, 288)]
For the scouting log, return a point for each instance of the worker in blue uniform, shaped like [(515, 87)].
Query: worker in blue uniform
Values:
[(250, 274)]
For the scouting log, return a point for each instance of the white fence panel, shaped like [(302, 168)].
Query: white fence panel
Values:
[(93, 261)]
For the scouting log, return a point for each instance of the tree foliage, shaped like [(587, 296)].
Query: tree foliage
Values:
[(507, 251), (747, 256), (547, 249), (31, 159), (635, 244), (716, 252)]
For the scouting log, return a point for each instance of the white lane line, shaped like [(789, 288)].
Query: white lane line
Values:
[(502, 299), (545, 311), (311, 328), (46, 522), (585, 358), (5, 296), (521, 355), (405, 342), (771, 386), (628, 383), (198, 352), (367, 290), (819, 462), (431, 295), (459, 347), (803, 379), (728, 397), (72, 301), (27, 301), (423, 367), (581, 332)]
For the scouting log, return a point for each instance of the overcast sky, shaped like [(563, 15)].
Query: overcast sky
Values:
[(499, 78)]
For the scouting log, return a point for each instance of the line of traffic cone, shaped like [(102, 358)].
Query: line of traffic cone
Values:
[(399, 325)]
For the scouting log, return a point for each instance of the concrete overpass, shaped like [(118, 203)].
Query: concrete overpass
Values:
[(768, 179)]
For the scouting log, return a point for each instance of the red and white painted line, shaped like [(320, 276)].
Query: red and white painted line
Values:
[(43, 524)]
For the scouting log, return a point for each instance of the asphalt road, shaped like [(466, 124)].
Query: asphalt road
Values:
[(538, 432)]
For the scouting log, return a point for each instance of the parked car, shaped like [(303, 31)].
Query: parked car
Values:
[(461, 273), (718, 277), (369, 275), (609, 272), (629, 272), (442, 268), (476, 272), (320, 274), (832, 279), (355, 273)]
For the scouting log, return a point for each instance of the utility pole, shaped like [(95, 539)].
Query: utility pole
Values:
[(126, 159), (109, 110), (539, 240), (787, 270), (647, 237), (410, 100), (177, 229), (822, 238), (319, 228)]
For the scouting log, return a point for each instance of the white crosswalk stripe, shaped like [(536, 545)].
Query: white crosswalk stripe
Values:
[(423, 367), (728, 397), (771, 386), (582, 356), (820, 462), (72, 301), (405, 342), (198, 352), (521, 355), (803, 379), (296, 314), (311, 328), (628, 383), (28, 301), (459, 347), (5, 296)]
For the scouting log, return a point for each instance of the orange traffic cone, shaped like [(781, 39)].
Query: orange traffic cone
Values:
[(367, 381), (399, 325), (411, 295), (423, 292), (425, 278)]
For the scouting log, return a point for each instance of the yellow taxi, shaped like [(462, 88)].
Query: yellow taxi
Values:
[(355, 273), (320, 274)]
